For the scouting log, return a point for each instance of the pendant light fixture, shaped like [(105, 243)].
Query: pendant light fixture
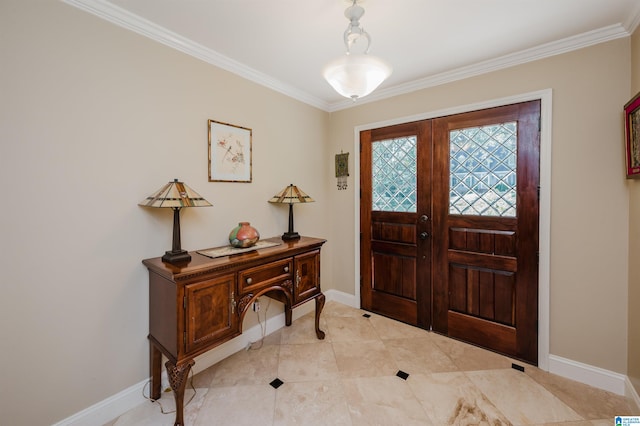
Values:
[(355, 75)]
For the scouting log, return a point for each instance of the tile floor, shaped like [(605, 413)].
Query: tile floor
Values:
[(350, 378)]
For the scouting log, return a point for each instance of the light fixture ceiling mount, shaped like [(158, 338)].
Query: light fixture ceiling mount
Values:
[(355, 75)]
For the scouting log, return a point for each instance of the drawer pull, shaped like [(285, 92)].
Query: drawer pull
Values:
[(286, 268), (249, 280)]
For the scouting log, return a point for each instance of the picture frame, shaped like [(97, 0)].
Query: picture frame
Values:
[(230, 152), (632, 137)]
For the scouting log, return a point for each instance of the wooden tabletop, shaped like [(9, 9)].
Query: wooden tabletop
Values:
[(200, 263)]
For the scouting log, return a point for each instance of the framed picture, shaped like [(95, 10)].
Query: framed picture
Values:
[(632, 136), (229, 152)]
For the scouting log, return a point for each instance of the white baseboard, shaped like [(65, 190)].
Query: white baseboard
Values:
[(118, 404), (594, 376), (580, 372), (241, 342), (275, 323), (108, 409), (631, 393), (344, 298), (588, 374)]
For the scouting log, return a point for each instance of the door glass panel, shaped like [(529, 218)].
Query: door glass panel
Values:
[(482, 177), (394, 167)]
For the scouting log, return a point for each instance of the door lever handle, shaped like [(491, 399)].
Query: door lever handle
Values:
[(424, 235)]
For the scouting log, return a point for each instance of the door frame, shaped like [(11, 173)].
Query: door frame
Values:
[(545, 97)]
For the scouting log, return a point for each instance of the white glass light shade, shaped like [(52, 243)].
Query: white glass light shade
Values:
[(356, 75)]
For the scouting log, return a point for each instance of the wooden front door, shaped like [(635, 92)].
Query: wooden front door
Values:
[(486, 228), (395, 210), (464, 261)]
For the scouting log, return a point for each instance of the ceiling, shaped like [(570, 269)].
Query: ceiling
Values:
[(284, 44)]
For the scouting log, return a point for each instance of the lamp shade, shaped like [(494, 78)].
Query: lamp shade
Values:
[(357, 74), (291, 195), (175, 194)]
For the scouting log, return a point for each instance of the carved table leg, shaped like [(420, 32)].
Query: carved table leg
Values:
[(319, 306), (178, 375), (155, 360)]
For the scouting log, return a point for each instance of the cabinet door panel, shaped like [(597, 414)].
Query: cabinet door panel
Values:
[(210, 315), (307, 278)]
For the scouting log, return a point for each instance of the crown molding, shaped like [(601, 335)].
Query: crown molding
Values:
[(558, 47), (115, 14), (125, 19), (633, 20)]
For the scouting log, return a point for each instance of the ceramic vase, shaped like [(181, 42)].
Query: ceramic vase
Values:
[(244, 235)]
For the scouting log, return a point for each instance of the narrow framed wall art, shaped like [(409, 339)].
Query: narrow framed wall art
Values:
[(632, 136), (342, 169), (230, 149)]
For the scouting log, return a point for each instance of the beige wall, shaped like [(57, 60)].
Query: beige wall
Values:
[(633, 369), (589, 201), (93, 118)]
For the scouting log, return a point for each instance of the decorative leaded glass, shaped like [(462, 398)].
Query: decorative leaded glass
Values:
[(482, 177), (394, 167)]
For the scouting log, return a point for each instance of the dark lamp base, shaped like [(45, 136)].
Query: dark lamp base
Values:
[(290, 236), (180, 256)]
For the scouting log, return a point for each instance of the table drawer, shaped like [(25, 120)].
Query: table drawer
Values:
[(255, 279)]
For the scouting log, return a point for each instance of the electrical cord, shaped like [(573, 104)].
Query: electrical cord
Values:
[(263, 330), (157, 401), (252, 347)]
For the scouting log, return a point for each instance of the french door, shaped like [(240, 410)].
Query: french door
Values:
[(449, 225), (395, 210)]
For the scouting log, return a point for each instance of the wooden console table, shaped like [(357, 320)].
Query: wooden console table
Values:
[(199, 305)]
